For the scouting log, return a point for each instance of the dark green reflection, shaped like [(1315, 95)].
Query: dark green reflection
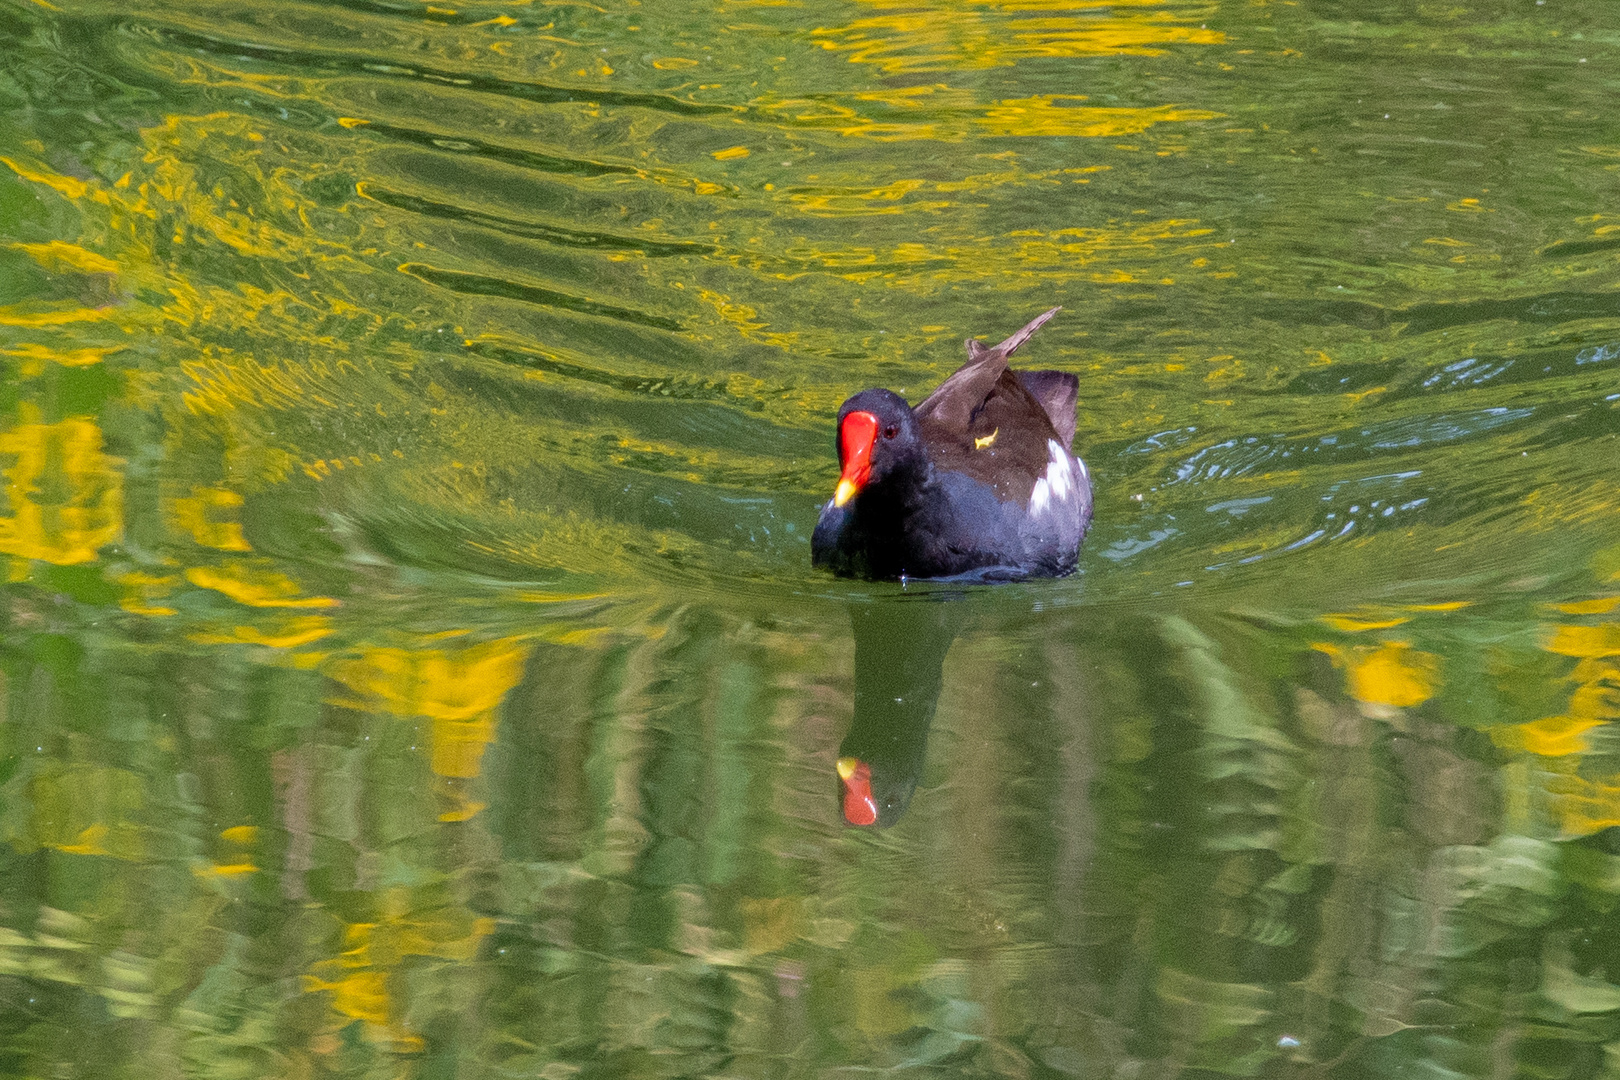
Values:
[(900, 646)]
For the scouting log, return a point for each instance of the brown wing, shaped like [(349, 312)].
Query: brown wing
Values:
[(1003, 445), (953, 404)]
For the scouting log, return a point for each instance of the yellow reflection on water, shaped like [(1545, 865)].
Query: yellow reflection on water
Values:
[(33, 316), (142, 589), (1394, 674), (59, 255), (1585, 641), (948, 114), (83, 810), (287, 633), (365, 979), (173, 181), (446, 685), (1586, 806), (34, 356), (236, 860), (255, 585), (207, 516), (1058, 256), (66, 185), (1391, 675), (1595, 701), (1555, 736), (459, 691), (949, 35), (1582, 802), (1045, 114), (1352, 624), (1600, 606), (66, 496)]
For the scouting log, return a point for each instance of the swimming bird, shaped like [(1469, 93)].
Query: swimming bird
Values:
[(977, 481)]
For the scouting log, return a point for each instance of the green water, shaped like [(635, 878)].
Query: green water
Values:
[(413, 422)]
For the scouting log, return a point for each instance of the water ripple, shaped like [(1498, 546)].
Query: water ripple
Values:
[(555, 234), (484, 285), (310, 61)]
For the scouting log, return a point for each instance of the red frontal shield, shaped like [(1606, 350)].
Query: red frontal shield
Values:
[(856, 437)]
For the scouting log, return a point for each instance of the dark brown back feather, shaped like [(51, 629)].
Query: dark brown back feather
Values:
[(1015, 455), (985, 400), (1057, 392)]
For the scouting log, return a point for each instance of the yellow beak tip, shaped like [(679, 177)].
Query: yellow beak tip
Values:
[(845, 492), (846, 767)]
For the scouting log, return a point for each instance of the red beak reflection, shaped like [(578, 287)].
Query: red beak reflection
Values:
[(859, 806)]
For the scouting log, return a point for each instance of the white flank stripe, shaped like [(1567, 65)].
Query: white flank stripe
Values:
[(1057, 484)]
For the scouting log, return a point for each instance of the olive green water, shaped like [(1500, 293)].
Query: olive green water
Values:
[(415, 415)]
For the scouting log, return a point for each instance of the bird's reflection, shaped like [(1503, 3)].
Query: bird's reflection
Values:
[(900, 646)]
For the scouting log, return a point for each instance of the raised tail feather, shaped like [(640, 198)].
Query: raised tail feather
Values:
[(954, 401), (977, 349)]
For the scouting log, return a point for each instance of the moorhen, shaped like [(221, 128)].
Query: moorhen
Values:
[(977, 482)]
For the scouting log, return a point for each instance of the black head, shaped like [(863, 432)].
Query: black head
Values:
[(877, 436)]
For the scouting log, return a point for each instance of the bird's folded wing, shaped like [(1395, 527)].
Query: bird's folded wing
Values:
[(1057, 392)]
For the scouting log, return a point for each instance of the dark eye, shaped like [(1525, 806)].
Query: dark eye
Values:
[(891, 431)]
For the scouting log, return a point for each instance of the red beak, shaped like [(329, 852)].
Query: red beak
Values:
[(859, 806), (856, 437)]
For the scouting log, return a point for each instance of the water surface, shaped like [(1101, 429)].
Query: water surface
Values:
[(413, 423)]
